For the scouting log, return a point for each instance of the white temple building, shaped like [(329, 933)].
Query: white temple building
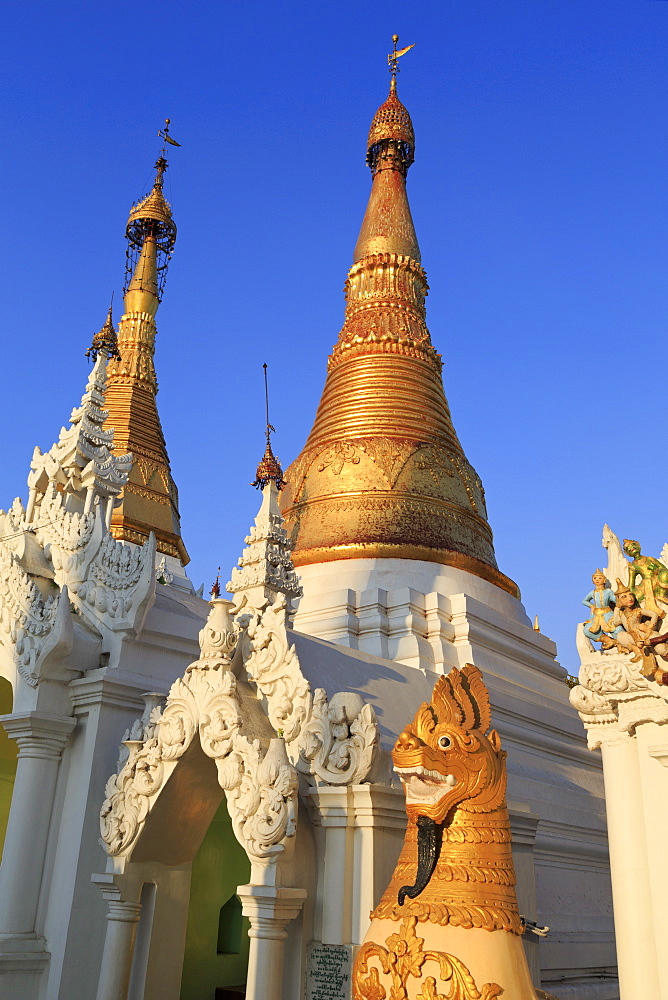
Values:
[(196, 796)]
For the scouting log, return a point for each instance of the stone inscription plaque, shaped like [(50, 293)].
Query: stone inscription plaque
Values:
[(328, 972)]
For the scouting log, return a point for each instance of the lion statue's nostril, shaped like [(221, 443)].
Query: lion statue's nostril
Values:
[(407, 741)]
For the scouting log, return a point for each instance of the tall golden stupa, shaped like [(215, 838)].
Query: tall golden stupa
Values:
[(150, 498), (382, 474)]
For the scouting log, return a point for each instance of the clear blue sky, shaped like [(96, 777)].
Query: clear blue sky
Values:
[(540, 198)]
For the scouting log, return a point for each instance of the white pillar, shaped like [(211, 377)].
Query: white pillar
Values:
[(629, 869), (379, 829), (109, 511), (269, 909), (119, 942), (41, 739), (653, 758), (332, 809)]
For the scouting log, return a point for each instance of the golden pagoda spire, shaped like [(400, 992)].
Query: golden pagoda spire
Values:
[(382, 473), (150, 499)]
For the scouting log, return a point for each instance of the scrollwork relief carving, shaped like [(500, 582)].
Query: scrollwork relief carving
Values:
[(338, 743), (333, 742), (261, 788)]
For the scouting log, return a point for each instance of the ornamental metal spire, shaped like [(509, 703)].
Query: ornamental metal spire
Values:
[(269, 468), (382, 473), (393, 58), (105, 340)]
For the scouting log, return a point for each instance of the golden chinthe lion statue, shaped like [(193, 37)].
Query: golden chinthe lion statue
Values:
[(448, 926)]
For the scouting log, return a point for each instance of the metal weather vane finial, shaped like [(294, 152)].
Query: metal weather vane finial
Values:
[(394, 56), (269, 467), (164, 134), (266, 406), (161, 162)]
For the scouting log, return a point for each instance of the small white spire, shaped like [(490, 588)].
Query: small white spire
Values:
[(265, 568), (81, 463)]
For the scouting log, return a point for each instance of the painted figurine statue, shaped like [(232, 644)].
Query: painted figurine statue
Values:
[(638, 632), (448, 925), (653, 584), (601, 601)]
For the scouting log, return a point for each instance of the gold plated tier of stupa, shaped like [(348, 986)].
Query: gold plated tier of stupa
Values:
[(150, 498), (382, 473)]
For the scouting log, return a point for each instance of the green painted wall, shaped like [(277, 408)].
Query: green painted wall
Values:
[(219, 867), (8, 752)]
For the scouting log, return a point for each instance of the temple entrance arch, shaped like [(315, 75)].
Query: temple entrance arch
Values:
[(212, 741)]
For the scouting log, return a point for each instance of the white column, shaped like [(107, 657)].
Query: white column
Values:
[(379, 830), (41, 739), (269, 909), (630, 874), (332, 809), (653, 758), (122, 920)]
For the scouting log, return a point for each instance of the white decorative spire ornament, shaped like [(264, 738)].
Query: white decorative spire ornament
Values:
[(265, 568), (81, 463)]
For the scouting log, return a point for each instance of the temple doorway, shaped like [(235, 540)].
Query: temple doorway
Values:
[(8, 755), (215, 964)]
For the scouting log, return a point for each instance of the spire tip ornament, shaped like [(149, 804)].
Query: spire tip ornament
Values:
[(392, 61), (151, 232), (105, 341), (391, 136), (269, 468)]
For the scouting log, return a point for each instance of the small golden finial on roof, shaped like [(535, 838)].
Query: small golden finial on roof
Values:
[(269, 467), (215, 590), (392, 61), (105, 340)]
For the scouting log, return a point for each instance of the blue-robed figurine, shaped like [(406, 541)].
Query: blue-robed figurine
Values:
[(601, 600)]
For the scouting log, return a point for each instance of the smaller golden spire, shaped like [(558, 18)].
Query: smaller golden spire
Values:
[(105, 341), (269, 467)]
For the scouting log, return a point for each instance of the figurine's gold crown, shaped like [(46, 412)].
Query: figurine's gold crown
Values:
[(392, 121), (621, 588)]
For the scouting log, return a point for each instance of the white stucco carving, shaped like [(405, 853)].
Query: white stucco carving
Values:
[(272, 664), (81, 462), (57, 556), (31, 624), (339, 743), (331, 742), (265, 567), (260, 787)]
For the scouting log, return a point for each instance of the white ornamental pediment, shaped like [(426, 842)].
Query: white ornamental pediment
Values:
[(260, 783)]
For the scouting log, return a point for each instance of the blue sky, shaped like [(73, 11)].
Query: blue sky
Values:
[(540, 199)]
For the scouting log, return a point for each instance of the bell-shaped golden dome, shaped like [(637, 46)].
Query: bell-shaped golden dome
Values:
[(392, 121), (383, 473)]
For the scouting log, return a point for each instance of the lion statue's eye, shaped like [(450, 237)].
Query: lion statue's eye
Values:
[(444, 742)]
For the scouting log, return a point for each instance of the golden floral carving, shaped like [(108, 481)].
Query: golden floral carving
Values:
[(337, 456), (404, 957)]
